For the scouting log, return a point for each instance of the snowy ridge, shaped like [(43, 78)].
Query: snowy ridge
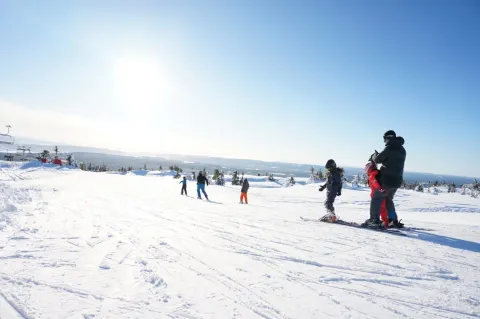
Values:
[(77, 244), (255, 181)]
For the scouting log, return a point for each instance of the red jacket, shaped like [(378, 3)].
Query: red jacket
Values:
[(43, 160), (372, 180), (57, 161), (375, 185)]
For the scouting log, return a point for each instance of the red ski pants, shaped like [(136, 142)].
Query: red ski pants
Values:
[(244, 196)]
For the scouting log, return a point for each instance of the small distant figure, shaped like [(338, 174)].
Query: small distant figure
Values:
[(292, 180), (201, 181), (44, 156), (184, 185), (57, 161), (333, 185), (244, 191)]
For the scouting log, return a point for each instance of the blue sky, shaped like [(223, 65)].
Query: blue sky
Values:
[(297, 81)]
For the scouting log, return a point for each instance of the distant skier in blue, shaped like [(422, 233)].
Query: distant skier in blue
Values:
[(184, 186), (201, 181)]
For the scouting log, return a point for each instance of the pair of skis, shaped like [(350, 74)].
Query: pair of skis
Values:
[(394, 231)]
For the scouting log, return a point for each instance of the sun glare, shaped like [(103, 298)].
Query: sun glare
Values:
[(139, 81)]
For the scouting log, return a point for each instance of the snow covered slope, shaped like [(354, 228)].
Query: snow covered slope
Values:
[(76, 244)]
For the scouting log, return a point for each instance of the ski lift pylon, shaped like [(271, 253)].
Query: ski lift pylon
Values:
[(7, 138)]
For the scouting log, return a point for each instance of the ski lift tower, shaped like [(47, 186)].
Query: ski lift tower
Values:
[(6, 138), (24, 153), (8, 141)]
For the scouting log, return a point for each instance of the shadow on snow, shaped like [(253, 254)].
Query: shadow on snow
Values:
[(447, 241)]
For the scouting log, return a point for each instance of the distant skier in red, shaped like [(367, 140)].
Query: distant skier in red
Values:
[(57, 161)]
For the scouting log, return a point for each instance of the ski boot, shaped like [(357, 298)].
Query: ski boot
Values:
[(329, 218), (372, 223), (396, 224)]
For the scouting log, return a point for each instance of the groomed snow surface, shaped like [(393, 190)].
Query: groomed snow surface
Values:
[(85, 245)]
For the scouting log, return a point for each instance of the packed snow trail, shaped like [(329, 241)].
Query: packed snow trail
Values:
[(76, 244)]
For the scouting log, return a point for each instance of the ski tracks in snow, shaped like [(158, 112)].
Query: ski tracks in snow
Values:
[(100, 249)]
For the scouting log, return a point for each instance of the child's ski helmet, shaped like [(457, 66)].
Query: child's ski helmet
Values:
[(331, 164)]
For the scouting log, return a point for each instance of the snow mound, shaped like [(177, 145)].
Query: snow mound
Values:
[(12, 199), (38, 164), (32, 165)]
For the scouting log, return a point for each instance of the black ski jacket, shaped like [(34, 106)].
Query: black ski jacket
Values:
[(334, 181), (392, 159), (245, 187), (202, 180)]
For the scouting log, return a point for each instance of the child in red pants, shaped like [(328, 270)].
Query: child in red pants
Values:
[(373, 177)]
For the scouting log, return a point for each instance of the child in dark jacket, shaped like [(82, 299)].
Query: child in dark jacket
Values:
[(334, 176), (184, 185), (244, 191)]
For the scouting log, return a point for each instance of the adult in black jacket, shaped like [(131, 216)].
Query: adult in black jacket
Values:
[(392, 159), (201, 181)]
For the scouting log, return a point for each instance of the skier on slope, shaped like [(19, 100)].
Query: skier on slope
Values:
[(244, 191), (334, 176), (57, 161), (392, 159), (184, 185), (374, 183), (201, 181)]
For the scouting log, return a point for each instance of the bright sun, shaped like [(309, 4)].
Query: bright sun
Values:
[(139, 81)]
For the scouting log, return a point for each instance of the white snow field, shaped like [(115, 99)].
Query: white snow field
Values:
[(77, 244)]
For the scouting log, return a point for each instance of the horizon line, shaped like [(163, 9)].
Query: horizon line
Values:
[(156, 154)]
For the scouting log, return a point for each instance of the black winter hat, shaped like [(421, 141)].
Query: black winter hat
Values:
[(330, 164), (389, 134)]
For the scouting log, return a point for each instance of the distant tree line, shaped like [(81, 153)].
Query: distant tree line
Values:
[(93, 168)]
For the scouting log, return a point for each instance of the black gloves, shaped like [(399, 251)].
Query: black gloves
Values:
[(339, 193), (322, 188)]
